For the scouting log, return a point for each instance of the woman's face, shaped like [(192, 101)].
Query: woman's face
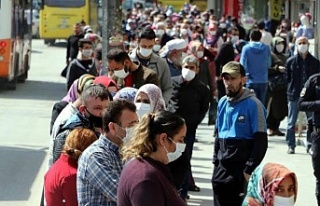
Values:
[(286, 187), (143, 98)]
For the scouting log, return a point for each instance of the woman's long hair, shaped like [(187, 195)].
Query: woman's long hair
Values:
[(143, 142)]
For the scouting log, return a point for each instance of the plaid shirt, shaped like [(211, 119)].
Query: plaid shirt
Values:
[(99, 169)]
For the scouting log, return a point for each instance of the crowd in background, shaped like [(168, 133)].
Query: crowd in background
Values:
[(170, 67)]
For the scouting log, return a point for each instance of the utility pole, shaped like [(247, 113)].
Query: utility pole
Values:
[(111, 28), (316, 26)]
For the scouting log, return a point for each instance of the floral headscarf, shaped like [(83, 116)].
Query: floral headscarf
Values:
[(155, 96), (128, 93), (264, 182)]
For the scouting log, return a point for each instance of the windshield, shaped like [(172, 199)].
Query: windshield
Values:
[(65, 3)]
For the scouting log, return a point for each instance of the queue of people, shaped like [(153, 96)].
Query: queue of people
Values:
[(145, 111)]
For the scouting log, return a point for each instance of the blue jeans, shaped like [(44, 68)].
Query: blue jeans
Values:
[(260, 89), (293, 111)]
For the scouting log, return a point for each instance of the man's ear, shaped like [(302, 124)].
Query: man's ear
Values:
[(197, 70), (82, 108), (243, 80)]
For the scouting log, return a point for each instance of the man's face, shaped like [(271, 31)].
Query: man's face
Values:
[(146, 43), (177, 56), (191, 66), (161, 27), (86, 47), (77, 29), (127, 119), (233, 85), (115, 66), (234, 33), (95, 106)]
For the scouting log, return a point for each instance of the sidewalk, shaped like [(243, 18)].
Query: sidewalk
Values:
[(300, 163)]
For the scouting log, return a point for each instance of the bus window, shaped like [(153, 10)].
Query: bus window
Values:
[(65, 3)]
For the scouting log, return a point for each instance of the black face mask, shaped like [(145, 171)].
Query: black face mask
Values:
[(95, 120)]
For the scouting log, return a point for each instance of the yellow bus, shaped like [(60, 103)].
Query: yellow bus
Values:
[(57, 17), (15, 42), (178, 4)]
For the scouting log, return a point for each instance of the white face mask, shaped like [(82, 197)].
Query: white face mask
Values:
[(168, 31), (145, 52), (184, 31), (200, 54), (234, 39), (303, 48), (87, 53), (129, 134), (188, 74), (121, 73), (283, 201), (279, 48), (223, 25), (156, 47), (172, 156), (142, 109), (160, 32), (213, 33)]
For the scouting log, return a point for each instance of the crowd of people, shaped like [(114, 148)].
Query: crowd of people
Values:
[(124, 135)]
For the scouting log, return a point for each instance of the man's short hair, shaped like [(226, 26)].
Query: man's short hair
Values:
[(114, 112), (255, 35), (190, 59), (94, 91), (261, 25), (98, 53), (147, 33), (233, 28), (118, 55), (84, 41)]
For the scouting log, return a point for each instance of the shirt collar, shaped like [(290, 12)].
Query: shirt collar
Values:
[(112, 146)]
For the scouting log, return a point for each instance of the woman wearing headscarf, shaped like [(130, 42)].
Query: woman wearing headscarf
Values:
[(149, 99), (271, 184), (128, 93), (213, 39), (60, 180), (276, 101)]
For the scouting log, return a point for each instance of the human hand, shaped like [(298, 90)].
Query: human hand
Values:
[(253, 202), (282, 69)]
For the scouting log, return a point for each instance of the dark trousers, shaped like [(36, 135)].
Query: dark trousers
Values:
[(189, 139), (272, 122), (315, 146), (228, 190)]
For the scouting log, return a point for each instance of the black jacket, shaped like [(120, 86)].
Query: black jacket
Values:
[(165, 38), (297, 76), (310, 98), (72, 46), (77, 68), (190, 100)]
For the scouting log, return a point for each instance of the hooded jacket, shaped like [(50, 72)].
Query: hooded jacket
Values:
[(79, 67), (242, 139), (256, 59), (76, 121)]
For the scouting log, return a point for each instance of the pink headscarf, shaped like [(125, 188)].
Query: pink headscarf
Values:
[(72, 94), (155, 96)]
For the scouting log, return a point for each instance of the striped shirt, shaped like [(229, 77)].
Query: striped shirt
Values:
[(99, 169)]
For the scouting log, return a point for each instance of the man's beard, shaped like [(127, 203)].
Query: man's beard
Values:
[(234, 93)]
